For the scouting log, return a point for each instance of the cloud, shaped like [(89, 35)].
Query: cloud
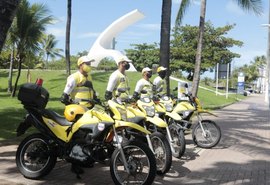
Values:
[(247, 56), (88, 35), (58, 32)]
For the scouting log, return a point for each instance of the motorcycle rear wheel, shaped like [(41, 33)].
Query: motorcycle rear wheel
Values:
[(34, 157), (212, 136), (141, 163)]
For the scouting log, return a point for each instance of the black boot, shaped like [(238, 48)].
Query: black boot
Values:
[(77, 170)]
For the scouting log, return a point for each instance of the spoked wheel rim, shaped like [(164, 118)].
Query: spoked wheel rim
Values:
[(210, 137), (159, 152), (138, 165), (34, 156), (175, 140)]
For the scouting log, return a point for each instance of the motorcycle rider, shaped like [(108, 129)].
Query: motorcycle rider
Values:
[(79, 84), (144, 84), (159, 81), (118, 79)]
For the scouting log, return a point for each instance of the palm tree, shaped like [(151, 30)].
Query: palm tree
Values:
[(165, 38), (7, 13), (248, 5), (68, 36), (48, 46), (27, 30)]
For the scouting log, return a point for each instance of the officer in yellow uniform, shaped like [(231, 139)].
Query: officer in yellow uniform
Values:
[(159, 81), (79, 84), (118, 79), (144, 84)]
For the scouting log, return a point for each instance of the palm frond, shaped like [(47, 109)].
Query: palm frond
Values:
[(181, 12), (254, 6)]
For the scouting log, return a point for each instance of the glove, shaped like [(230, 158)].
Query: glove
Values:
[(65, 99), (136, 96), (97, 101), (88, 84), (108, 95)]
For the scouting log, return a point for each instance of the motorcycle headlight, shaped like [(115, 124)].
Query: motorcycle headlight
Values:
[(150, 110), (165, 98), (168, 107), (186, 113), (146, 100)]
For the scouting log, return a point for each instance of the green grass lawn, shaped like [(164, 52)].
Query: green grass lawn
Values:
[(12, 112)]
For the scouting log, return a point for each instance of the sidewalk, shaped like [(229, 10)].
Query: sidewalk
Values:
[(241, 157)]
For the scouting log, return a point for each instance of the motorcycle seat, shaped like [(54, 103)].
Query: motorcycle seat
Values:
[(61, 120)]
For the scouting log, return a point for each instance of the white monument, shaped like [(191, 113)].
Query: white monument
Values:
[(102, 46)]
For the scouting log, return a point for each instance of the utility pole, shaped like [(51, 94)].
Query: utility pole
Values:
[(267, 87), (268, 61)]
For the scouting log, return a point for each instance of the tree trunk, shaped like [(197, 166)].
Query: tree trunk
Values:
[(68, 37), (10, 71), (18, 77), (165, 39), (196, 77), (7, 13)]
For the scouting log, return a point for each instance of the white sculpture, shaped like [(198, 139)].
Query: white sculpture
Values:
[(102, 46)]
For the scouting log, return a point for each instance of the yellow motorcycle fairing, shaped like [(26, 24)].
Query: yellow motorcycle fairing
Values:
[(119, 110), (135, 111), (91, 117), (57, 129), (183, 106), (174, 116), (119, 124), (101, 115), (157, 121), (160, 108)]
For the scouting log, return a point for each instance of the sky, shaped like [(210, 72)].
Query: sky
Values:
[(90, 18)]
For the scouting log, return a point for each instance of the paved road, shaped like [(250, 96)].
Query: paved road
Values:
[(242, 156)]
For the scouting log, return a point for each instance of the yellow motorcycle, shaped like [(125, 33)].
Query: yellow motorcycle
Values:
[(162, 121), (164, 109), (81, 138), (156, 141), (205, 133)]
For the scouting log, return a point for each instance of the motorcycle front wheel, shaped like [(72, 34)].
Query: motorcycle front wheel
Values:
[(141, 164), (178, 141), (162, 152), (210, 138), (34, 157)]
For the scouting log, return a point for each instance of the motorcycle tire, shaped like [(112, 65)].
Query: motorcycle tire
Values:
[(34, 157), (141, 163), (212, 136), (179, 141), (162, 152)]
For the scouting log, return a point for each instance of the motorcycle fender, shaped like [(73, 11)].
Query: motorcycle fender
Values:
[(174, 116), (119, 124), (157, 121), (206, 112), (24, 125)]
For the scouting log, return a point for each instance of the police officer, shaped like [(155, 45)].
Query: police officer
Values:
[(118, 79), (144, 84), (159, 81), (79, 84)]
